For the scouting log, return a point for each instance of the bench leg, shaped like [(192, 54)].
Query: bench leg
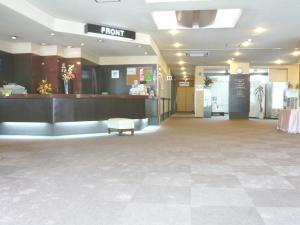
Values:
[(132, 131), (109, 130)]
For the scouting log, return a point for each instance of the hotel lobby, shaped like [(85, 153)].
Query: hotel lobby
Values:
[(149, 112)]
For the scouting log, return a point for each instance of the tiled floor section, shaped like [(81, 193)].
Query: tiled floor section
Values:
[(190, 172)]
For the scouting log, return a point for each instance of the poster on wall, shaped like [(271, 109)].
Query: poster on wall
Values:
[(115, 74), (131, 71), (141, 74)]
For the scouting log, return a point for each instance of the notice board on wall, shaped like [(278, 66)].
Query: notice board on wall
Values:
[(141, 74), (239, 96)]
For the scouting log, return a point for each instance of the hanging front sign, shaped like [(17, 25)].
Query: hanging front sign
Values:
[(110, 31)]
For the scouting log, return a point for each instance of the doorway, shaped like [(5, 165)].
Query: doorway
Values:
[(185, 99)]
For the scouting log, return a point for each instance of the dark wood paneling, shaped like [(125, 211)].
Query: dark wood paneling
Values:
[(6, 67), (50, 68), (22, 70), (37, 74)]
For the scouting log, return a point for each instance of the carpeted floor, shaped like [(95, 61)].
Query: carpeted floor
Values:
[(189, 172)]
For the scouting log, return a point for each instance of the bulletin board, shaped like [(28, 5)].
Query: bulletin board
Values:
[(142, 74)]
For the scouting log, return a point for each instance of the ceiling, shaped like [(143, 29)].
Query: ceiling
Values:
[(279, 17)]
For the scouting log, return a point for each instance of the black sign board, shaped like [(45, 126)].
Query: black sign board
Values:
[(111, 31), (239, 96)]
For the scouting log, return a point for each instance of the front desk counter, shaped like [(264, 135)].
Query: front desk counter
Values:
[(59, 114)]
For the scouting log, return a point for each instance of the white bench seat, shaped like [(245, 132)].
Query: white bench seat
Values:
[(120, 124)]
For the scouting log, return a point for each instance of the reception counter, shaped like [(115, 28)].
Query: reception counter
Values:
[(58, 114)]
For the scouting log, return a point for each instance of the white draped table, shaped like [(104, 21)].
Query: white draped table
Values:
[(289, 121)]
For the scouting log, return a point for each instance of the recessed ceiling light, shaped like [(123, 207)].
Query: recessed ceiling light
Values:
[(52, 34), (176, 45), (69, 46), (173, 32), (14, 37), (182, 68), (44, 44), (278, 61), (225, 18), (181, 62), (82, 44), (237, 53), (146, 53), (259, 30), (179, 54), (296, 53), (100, 40), (246, 43), (184, 73)]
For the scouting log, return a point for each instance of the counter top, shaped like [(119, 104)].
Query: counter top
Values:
[(80, 96)]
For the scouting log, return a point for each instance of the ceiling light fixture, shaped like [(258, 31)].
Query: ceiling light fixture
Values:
[(237, 53), (52, 34), (146, 53), (259, 30), (176, 45), (82, 44), (100, 40), (181, 62), (246, 43), (173, 32), (279, 61), (225, 18), (179, 54), (14, 37), (69, 46), (296, 53), (182, 68), (43, 44)]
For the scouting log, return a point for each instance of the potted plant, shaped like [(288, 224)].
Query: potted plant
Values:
[(67, 76), (208, 82), (259, 92), (44, 88)]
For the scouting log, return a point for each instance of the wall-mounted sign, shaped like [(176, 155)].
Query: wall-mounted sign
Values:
[(131, 71), (115, 74), (111, 31), (184, 84), (169, 78)]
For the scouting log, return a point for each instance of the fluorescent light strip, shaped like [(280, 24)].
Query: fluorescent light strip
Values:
[(225, 18)]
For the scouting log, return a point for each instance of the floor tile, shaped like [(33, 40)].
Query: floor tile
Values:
[(265, 182), (162, 194), (168, 179), (254, 170), (280, 216), (219, 197), (275, 198), (295, 181), (225, 216), (155, 214), (216, 181)]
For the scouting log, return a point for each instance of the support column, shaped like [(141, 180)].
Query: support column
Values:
[(199, 92)]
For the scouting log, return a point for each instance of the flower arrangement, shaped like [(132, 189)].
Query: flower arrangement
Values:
[(67, 72), (45, 87)]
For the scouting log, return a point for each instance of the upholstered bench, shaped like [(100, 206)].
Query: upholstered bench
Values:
[(120, 124)]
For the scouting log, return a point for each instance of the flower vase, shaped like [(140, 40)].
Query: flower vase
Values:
[(66, 86)]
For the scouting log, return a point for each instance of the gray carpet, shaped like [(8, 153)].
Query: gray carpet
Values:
[(191, 171)]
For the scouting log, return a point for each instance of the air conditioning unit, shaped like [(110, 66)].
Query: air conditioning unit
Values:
[(196, 53)]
